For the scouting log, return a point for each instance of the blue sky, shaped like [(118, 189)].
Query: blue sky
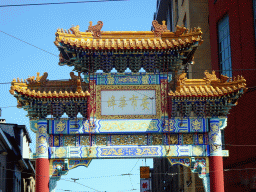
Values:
[(37, 25)]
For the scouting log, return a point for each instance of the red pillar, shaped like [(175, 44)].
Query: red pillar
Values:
[(42, 175), (216, 173)]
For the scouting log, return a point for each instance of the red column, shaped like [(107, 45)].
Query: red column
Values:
[(42, 175), (216, 173)]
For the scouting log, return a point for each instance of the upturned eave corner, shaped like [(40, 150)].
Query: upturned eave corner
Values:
[(209, 86), (36, 87)]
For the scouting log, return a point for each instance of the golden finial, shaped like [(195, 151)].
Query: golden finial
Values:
[(90, 22), (163, 22)]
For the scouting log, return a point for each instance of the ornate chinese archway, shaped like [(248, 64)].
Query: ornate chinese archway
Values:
[(128, 115)]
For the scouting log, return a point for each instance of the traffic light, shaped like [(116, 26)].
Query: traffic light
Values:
[(144, 172)]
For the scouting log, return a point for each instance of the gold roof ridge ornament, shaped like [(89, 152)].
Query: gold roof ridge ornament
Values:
[(36, 87), (180, 30), (76, 31), (180, 36), (159, 29), (76, 48), (96, 29)]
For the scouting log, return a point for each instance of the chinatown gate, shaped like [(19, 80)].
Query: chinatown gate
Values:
[(157, 113)]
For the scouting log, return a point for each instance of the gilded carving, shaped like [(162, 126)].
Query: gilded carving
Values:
[(96, 29), (122, 139), (101, 140), (173, 139), (75, 30), (60, 126), (187, 139), (200, 139), (196, 124), (129, 140), (158, 28), (56, 140), (157, 139), (84, 140), (69, 140), (140, 140), (211, 77)]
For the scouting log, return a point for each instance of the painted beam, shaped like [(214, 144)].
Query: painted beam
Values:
[(128, 151)]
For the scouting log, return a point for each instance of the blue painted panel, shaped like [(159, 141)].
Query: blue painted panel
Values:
[(125, 79), (126, 126)]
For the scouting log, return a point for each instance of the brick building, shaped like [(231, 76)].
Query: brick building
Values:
[(232, 36)]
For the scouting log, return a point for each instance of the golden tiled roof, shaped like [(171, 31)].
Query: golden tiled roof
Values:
[(157, 39), (210, 86), (37, 87)]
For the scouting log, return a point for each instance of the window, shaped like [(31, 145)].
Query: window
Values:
[(224, 47)]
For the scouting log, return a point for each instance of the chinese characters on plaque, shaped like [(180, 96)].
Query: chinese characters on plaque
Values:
[(128, 102)]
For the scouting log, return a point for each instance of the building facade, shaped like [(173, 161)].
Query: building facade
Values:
[(191, 14), (232, 34), (15, 165)]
